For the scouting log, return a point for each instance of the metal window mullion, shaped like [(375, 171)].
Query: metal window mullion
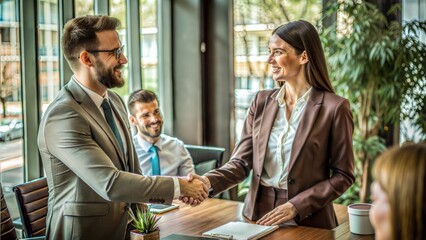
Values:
[(164, 43), (101, 7), (66, 11), (30, 87), (134, 44)]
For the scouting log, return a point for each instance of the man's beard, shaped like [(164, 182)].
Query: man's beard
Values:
[(145, 131), (107, 77)]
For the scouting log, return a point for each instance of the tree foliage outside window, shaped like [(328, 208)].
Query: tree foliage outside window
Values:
[(8, 79)]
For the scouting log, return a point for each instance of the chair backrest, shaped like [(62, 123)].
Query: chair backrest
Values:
[(205, 158), (32, 204), (7, 231)]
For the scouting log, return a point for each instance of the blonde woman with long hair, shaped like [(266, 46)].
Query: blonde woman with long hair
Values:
[(398, 192)]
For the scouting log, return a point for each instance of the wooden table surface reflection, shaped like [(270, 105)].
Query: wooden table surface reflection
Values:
[(193, 221)]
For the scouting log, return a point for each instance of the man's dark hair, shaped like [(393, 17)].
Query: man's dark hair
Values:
[(80, 34), (141, 96)]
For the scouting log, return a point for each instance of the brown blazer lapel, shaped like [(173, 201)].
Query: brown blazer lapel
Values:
[(270, 109), (306, 123)]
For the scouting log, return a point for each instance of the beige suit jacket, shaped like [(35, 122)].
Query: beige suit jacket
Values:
[(321, 163), (91, 181)]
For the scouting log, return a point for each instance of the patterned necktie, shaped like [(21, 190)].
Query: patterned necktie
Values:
[(110, 120), (155, 160)]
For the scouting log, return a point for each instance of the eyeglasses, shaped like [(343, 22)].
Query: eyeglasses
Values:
[(117, 51)]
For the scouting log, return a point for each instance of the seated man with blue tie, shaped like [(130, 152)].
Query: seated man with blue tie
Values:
[(159, 154)]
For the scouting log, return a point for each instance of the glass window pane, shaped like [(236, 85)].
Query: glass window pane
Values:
[(118, 10), (149, 50), (11, 126), (412, 9), (83, 8), (48, 51)]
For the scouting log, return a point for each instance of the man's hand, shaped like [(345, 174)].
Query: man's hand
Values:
[(278, 215), (195, 189), (191, 177), (204, 179)]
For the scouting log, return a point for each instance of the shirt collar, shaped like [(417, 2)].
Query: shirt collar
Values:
[(96, 98), (147, 145), (281, 93)]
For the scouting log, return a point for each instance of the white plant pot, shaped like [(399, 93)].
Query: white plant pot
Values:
[(359, 221)]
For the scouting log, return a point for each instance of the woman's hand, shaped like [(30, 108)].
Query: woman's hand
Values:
[(278, 215)]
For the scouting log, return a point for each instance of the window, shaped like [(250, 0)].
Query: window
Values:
[(48, 51), (118, 10), (83, 8), (410, 131), (149, 62), (11, 129)]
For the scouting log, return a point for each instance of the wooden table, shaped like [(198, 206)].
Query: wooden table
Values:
[(193, 221)]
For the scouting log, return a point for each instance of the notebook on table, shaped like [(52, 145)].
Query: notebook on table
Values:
[(240, 231)]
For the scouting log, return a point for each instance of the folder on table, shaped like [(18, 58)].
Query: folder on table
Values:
[(240, 231)]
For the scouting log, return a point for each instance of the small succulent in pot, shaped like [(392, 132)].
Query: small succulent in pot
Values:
[(145, 222)]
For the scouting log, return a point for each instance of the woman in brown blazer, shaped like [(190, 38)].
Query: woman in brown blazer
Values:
[(297, 139)]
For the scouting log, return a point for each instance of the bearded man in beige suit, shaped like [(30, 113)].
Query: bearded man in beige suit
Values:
[(84, 139)]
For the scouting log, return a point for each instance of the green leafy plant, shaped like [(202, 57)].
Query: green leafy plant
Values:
[(144, 221), (380, 66), (243, 187)]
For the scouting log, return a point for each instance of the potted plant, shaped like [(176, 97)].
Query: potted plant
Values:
[(145, 224)]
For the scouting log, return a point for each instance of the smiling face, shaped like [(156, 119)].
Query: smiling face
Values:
[(286, 64), (107, 68), (380, 212), (148, 120)]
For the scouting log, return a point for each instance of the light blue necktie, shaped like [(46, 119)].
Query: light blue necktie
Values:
[(155, 160)]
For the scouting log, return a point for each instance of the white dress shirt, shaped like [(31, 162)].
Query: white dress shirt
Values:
[(175, 160), (280, 142), (97, 99)]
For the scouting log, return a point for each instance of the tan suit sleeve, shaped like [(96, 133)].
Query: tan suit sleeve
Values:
[(90, 155)]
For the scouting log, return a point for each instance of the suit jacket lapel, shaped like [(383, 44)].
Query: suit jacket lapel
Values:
[(89, 106), (123, 125), (306, 123), (269, 113)]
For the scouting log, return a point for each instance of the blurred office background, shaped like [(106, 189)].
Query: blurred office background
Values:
[(205, 58)]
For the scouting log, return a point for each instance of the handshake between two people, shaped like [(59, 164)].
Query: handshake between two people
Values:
[(194, 189)]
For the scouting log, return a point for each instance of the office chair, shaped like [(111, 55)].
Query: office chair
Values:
[(205, 158), (7, 230), (32, 204)]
